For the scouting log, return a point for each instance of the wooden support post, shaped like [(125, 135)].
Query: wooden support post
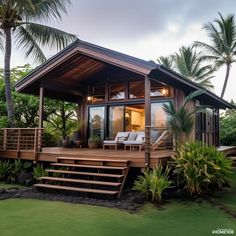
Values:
[(147, 121), (5, 139), (35, 143), (18, 142), (39, 140), (41, 106)]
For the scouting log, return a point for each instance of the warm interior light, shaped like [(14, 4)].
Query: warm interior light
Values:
[(89, 98), (164, 91)]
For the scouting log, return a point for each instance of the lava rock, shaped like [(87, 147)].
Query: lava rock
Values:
[(12, 190), (2, 190), (24, 178)]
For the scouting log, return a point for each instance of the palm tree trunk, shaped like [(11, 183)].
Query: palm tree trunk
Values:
[(226, 80), (7, 75)]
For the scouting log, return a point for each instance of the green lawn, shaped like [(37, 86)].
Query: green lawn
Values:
[(228, 197), (37, 218)]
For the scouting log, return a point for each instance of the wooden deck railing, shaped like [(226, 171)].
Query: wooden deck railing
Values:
[(19, 139), (148, 141)]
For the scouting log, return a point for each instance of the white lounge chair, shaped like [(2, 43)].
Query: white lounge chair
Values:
[(119, 139), (137, 141)]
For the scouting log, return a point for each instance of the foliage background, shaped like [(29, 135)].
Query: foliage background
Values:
[(60, 118)]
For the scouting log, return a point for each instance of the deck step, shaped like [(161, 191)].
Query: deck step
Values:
[(85, 190), (92, 159), (81, 181), (233, 158), (85, 173), (90, 166)]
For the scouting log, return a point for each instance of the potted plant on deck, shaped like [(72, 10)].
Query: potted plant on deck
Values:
[(94, 141), (76, 136)]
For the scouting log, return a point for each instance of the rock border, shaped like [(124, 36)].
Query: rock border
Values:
[(130, 201)]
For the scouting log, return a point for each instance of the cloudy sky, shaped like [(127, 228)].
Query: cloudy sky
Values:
[(144, 28)]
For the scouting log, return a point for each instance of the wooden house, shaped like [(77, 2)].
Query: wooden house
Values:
[(114, 92)]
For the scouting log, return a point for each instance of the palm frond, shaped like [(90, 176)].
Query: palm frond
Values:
[(208, 48), (25, 40), (46, 35), (166, 61), (1, 41), (42, 9), (192, 96), (188, 62)]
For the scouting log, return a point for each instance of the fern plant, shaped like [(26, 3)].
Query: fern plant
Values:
[(5, 169), (17, 168), (153, 182), (39, 171)]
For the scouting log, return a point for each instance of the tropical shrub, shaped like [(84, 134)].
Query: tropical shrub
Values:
[(5, 168), (199, 168), (18, 167), (181, 120), (153, 182), (39, 171), (228, 127)]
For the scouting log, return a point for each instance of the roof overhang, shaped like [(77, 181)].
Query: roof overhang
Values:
[(174, 79), (86, 60), (100, 54)]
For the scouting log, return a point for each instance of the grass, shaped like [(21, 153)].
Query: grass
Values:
[(228, 197), (35, 217)]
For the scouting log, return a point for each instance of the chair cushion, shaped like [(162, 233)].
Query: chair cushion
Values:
[(122, 136), (140, 137), (132, 136), (109, 142)]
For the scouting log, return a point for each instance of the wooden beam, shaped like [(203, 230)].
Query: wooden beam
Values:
[(66, 88), (147, 121), (41, 106)]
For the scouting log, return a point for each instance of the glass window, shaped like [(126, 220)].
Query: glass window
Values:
[(159, 90), (98, 92), (159, 116), (96, 121), (116, 120), (136, 89), (117, 91), (134, 117)]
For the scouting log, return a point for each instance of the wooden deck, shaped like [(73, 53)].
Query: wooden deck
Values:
[(136, 158)]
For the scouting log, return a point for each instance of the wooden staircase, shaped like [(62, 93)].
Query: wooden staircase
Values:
[(85, 175)]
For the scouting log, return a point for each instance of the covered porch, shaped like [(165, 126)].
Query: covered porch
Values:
[(114, 93), (27, 144)]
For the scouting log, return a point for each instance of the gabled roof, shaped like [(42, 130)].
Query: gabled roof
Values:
[(100, 53), (120, 60)]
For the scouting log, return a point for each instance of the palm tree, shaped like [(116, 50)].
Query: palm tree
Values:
[(18, 24), (188, 62), (181, 120), (222, 33)]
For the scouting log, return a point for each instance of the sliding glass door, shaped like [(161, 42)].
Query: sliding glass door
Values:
[(158, 115), (116, 120), (124, 118), (97, 121)]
